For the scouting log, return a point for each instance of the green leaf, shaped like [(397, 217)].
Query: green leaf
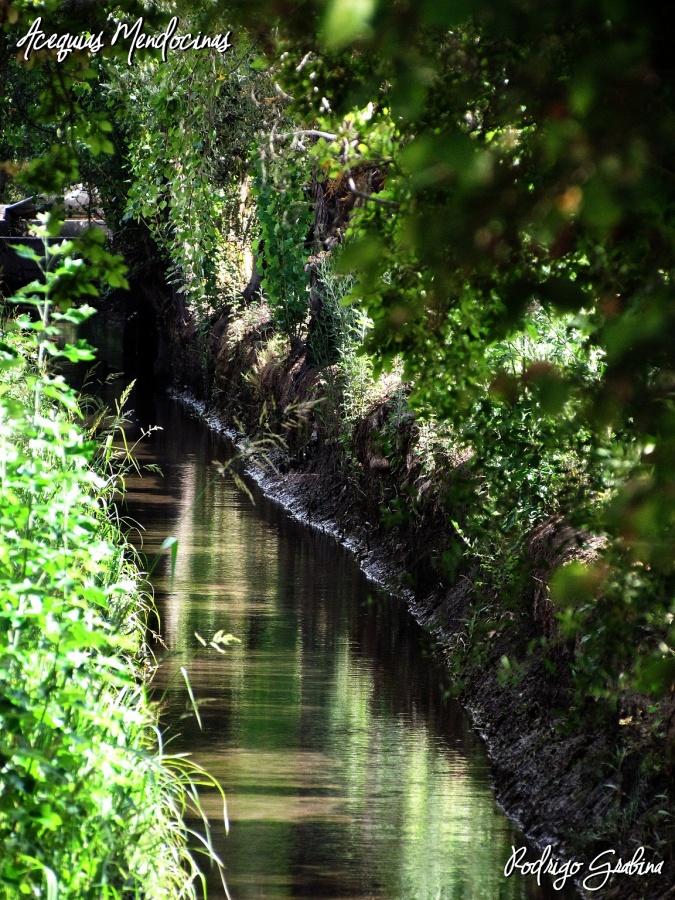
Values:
[(25, 251), (346, 20)]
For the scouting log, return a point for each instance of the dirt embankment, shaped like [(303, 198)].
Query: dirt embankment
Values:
[(583, 779)]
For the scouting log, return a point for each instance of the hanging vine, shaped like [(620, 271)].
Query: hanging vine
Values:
[(192, 123)]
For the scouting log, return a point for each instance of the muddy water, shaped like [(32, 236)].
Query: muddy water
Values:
[(348, 771)]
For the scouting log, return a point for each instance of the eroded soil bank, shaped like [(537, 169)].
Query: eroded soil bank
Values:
[(586, 780)]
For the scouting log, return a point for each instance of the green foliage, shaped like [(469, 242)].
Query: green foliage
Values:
[(284, 217), (529, 459), (50, 126), (87, 800), (338, 326), (526, 165), (188, 130)]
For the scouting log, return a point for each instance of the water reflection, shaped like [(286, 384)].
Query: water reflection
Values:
[(348, 773)]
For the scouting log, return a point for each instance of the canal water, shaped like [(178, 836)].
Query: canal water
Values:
[(349, 772)]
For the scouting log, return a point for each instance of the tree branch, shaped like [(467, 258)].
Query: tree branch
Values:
[(307, 133), (375, 199)]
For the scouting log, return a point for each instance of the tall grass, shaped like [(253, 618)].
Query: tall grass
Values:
[(90, 806)]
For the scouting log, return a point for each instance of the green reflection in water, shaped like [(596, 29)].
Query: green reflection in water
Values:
[(347, 774)]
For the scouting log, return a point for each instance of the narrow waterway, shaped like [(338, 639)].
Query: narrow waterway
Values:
[(348, 771)]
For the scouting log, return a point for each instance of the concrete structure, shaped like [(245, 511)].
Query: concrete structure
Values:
[(15, 222)]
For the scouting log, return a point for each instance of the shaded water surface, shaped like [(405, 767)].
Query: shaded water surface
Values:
[(348, 772)]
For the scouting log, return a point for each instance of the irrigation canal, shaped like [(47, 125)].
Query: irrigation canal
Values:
[(349, 773)]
